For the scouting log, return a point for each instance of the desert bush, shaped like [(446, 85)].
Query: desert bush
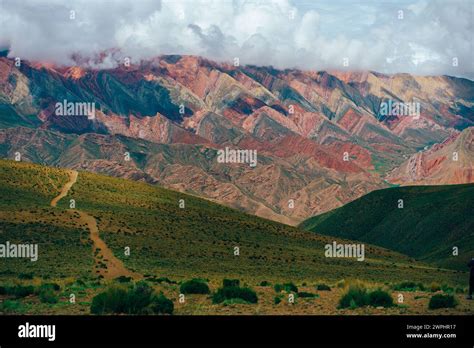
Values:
[(113, 300), (323, 287), (162, 305), (446, 288), (138, 298), (380, 298), (123, 279), (48, 286), (231, 282), (194, 286), (435, 287), (442, 301), (307, 295), (162, 280), (25, 276), (232, 292), (47, 295), (290, 287), (405, 286), (355, 296), (359, 296), (276, 300), (265, 283), (11, 306), (19, 291)]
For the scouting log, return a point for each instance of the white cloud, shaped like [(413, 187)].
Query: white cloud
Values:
[(282, 33)]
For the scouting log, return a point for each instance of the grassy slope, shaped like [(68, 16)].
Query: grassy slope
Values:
[(165, 240), (433, 220), (198, 241), (26, 191)]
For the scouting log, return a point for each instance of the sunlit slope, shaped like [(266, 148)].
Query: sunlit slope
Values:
[(167, 239), (64, 248)]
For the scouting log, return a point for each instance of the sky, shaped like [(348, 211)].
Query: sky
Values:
[(425, 37)]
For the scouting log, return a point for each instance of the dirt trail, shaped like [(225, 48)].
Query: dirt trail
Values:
[(66, 187), (106, 264)]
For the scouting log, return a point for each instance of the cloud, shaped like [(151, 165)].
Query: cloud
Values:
[(414, 36)]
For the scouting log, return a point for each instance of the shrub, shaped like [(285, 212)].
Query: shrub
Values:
[(442, 301), (162, 280), (138, 298), (162, 305), (47, 295), (265, 283), (48, 286), (459, 290), (277, 300), (113, 300), (435, 287), (405, 286), (447, 288), (20, 291), (11, 306), (123, 279), (356, 296), (290, 287), (233, 292), (380, 298), (194, 286), (231, 282), (323, 287), (307, 295), (25, 276)]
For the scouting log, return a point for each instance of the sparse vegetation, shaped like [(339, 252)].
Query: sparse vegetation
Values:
[(380, 298), (234, 292), (137, 299), (231, 282), (358, 295), (147, 219), (304, 294), (442, 301), (288, 287), (194, 286), (323, 287)]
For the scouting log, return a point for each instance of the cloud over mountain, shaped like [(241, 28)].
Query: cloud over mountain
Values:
[(420, 37)]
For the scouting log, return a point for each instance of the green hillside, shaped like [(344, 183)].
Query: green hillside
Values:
[(168, 241), (433, 220)]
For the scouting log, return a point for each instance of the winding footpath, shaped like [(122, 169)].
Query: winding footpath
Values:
[(102, 254)]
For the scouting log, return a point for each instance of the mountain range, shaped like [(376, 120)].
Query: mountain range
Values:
[(321, 138)]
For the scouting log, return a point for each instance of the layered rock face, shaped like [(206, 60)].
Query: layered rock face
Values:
[(321, 137)]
